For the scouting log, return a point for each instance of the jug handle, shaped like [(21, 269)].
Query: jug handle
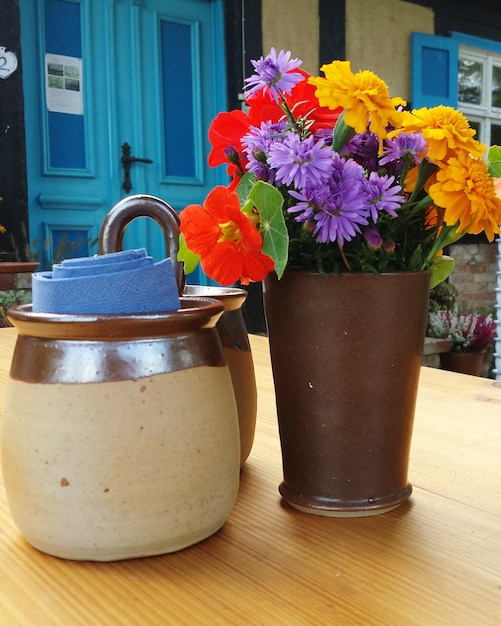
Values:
[(131, 207)]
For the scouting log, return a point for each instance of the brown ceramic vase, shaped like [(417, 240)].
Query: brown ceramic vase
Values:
[(346, 354)]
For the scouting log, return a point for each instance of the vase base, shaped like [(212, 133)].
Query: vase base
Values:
[(337, 508)]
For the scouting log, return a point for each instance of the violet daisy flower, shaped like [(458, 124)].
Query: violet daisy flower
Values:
[(364, 149), (383, 195), (257, 143), (299, 161), (413, 144), (274, 74), (373, 238), (338, 206)]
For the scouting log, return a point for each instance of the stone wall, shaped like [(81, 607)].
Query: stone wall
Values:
[(474, 275)]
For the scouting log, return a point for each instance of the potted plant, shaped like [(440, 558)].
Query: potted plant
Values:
[(9, 299), (470, 336), (341, 201)]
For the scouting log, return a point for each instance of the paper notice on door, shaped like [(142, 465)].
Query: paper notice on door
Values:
[(63, 84)]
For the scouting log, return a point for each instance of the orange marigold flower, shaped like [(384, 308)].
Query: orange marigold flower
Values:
[(363, 96), (445, 129), (466, 191), (229, 245)]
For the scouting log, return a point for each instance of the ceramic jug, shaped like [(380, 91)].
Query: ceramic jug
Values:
[(120, 434), (231, 325)]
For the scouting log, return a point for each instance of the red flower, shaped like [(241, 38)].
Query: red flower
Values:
[(229, 244), (225, 134), (301, 101), (228, 128)]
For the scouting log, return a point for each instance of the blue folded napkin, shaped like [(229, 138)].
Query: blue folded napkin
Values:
[(120, 282)]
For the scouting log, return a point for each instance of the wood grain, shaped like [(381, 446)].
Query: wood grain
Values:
[(434, 560)]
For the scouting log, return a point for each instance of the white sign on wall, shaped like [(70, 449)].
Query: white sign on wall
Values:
[(8, 62), (63, 84)]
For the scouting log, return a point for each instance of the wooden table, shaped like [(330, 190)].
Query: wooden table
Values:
[(434, 560)]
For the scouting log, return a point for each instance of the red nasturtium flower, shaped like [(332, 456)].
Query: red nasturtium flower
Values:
[(228, 128), (229, 244), (301, 101), (225, 135)]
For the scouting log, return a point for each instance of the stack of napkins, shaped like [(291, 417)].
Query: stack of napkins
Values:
[(121, 282)]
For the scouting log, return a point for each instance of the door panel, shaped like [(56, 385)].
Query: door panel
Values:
[(152, 76)]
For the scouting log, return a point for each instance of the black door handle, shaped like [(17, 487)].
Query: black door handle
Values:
[(127, 161)]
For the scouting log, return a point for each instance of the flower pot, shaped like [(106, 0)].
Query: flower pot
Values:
[(463, 362), (346, 353), (120, 433), (233, 334)]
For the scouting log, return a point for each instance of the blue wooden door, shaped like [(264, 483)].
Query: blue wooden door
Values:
[(99, 74)]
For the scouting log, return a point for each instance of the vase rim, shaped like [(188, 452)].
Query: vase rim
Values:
[(195, 313)]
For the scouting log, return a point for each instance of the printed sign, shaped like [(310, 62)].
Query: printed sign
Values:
[(63, 84)]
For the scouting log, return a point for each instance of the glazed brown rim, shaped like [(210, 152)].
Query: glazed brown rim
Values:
[(231, 297), (195, 313)]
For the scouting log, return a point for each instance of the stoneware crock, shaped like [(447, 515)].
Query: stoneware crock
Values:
[(120, 435)]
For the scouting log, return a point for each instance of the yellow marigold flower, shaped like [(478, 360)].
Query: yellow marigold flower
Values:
[(465, 189), (363, 96), (445, 129), (2, 229), (497, 186)]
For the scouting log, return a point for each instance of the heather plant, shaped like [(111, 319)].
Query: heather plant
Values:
[(466, 332)]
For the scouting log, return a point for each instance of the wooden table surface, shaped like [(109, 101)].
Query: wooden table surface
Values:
[(434, 560)]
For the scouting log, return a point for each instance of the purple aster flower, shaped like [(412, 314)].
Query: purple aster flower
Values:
[(274, 74), (373, 238), (300, 161), (338, 206), (413, 144), (383, 195), (257, 143), (364, 149)]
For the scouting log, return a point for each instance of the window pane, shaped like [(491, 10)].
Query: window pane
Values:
[(495, 135), (476, 126), (496, 86), (470, 81)]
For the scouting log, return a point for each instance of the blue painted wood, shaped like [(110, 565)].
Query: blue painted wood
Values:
[(130, 70), (63, 27), (66, 132), (178, 98), (434, 75), (477, 42)]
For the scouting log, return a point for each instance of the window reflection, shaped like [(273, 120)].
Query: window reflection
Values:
[(495, 135), (496, 86), (470, 81)]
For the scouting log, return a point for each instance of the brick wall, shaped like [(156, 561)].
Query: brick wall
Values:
[(475, 275)]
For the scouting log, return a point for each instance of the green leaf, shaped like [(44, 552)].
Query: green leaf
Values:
[(191, 260), (494, 161), (243, 190), (269, 201), (441, 268), (342, 133)]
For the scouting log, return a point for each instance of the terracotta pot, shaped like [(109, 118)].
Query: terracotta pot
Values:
[(346, 354), (233, 334), (463, 362), (120, 432)]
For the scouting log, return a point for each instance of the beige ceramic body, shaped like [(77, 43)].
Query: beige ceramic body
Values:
[(233, 334), (140, 459)]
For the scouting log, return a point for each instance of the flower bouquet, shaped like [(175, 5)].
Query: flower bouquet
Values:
[(342, 201), (330, 174)]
